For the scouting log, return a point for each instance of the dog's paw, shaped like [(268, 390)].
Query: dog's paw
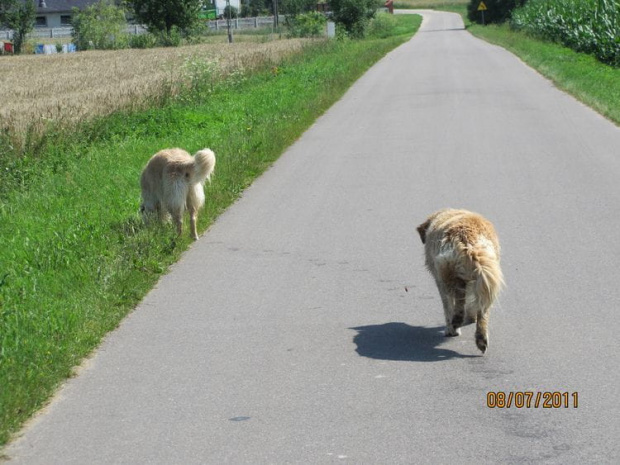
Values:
[(482, 342), (457, 321), (469, 320), (452, 332)]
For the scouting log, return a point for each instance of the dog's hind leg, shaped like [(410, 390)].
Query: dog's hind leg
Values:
[(177, 218), (150, 205), (482, 330), (195, 201), (176, 208), (452, 291), (447, 299), (175, 194), (458, 314), (193, 215)]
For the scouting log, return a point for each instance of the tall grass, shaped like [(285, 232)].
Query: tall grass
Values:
[(75, 256), (589, 26)]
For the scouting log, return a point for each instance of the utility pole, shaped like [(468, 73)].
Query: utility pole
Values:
[(275, 14), (230, 38)]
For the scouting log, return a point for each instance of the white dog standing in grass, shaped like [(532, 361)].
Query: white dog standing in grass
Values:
[(173, 181), (462, 254)]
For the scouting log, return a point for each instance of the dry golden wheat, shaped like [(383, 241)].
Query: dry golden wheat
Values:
[(73, 87)]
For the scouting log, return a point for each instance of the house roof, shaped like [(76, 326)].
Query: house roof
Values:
[(60, 6)]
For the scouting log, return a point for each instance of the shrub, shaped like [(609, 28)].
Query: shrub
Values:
[(99, 26), (297, 7), (163, 15), (170, 38), (230, 12), (311, 24), (354, 15), (253, 9), (382, 25), (498, 11), (147, 40)]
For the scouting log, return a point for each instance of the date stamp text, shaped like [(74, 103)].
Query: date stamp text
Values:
[(532, 399)]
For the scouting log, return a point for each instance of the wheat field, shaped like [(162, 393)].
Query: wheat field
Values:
[(66, 88)]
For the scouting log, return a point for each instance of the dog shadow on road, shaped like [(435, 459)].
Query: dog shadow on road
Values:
[(402, 342)]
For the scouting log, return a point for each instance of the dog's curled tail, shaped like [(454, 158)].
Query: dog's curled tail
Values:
[(489, 277), (204, 165)]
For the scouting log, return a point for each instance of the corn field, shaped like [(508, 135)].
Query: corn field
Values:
[(589, 26)]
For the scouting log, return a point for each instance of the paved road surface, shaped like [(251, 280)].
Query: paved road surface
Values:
[(303, 328)]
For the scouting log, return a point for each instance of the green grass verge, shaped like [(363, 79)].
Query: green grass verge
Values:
[(75, 256), (583, 76)]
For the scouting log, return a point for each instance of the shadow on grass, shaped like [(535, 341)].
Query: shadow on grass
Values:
[(401, 342)]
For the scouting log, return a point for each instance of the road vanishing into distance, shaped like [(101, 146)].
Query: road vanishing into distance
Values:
[(303, 328)]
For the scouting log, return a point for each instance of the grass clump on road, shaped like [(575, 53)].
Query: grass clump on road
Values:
[(76, 257)]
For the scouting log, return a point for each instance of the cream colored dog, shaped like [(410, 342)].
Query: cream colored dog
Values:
[(173, 181), (463, 254)]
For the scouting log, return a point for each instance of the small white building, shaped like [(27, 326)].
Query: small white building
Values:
[(57, 13)]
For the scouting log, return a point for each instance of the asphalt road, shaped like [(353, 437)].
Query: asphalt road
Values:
[(303, 328)]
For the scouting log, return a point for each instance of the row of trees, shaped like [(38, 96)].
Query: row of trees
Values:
[(171, 18), (497, 11)]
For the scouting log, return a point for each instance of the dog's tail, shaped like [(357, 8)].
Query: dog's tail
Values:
[(204, 164), (489, 277)]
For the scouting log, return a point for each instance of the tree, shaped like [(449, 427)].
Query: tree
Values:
[(99, 26), (293, 10), (230, 12), (354, 15), (296, 7), (19, 16), (497, 11), (256, 7), (166, 15)]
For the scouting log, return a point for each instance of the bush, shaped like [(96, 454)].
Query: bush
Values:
[(163, 15), (311, 24), (252, 10), (354, 15), (296, 7), (147, 40), (498, 11), (382, 26), (99, 26), (230, 12), (171, 38)]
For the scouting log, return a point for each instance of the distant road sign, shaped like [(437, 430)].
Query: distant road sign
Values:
[(482, 7)]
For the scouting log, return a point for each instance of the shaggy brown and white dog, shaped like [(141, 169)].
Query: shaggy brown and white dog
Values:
[(173, 181), (462, 253)]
